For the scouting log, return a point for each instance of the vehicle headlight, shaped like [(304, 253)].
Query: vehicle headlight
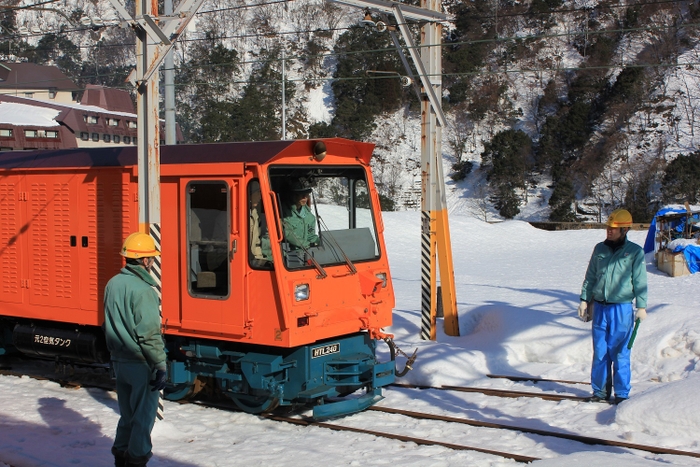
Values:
[(382, 277), (301, 292)]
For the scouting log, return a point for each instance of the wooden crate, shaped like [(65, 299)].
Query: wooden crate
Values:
[(671, 263)]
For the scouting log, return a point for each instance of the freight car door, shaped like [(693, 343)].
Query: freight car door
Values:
[(54, 269), (12, 198), (212, 290), (106, 213)]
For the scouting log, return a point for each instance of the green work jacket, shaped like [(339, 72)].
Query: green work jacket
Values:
[(300, 227), (617, 276), (132, 318)]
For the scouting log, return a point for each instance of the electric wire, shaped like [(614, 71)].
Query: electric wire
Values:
[(7, 9), (392, 49)]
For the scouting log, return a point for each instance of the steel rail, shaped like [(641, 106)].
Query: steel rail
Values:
[(502, 426), (498, 392), (536, 379), (410, 439)]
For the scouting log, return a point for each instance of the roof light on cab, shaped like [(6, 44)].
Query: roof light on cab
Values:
[(319, 151)]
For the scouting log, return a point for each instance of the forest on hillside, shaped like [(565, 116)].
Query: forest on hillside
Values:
[(593, 103)]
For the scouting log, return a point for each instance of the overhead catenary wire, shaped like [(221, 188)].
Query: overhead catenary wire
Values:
[(7, 8), (392, 49)]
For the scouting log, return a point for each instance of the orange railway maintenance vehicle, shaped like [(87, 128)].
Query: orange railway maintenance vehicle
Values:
[(244, 310)]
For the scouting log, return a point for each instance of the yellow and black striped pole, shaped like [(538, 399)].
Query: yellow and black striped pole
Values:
[(156, 273), (428, 283), (435, 237)]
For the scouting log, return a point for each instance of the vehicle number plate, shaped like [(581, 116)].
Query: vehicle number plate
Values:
[(325, 350)]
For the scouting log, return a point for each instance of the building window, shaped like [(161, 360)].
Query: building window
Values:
[(30, 133), (95, 137), (106, 138), (29, 94), (84, 135), (127, 140), (135, 140), (52, 94), (131, 124), (116, 138), (6, 132), (52, 134), (91, 119), (112, 122)]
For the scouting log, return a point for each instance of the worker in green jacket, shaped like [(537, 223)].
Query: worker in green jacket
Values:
[(132, 329), (615, 277), (298, 222)]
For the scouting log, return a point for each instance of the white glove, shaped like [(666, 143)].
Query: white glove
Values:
[(583, 312), (641, 314)]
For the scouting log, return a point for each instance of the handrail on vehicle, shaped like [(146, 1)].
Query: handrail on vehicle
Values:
[(276, 209)]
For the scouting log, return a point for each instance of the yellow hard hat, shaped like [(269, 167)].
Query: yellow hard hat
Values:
[(620, 218), (139, 245)]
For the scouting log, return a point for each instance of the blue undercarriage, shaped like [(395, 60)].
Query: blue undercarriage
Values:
[(336, 377)]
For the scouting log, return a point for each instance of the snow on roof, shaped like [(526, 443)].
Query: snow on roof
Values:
[(27, 115), (94, 108)]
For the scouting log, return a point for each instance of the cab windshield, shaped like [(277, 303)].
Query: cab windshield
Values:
[(326, 217)]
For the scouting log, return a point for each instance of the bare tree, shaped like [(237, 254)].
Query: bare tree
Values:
[(481, 207), (461, 128)]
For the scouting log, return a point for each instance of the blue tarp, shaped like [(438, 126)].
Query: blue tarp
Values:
[(651, 234), (692, 257)]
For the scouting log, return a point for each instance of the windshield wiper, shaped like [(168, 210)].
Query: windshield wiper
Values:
[(350, 264), (321, 272)]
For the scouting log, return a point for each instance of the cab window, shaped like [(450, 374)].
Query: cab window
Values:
[(327, 216), (208, 238)]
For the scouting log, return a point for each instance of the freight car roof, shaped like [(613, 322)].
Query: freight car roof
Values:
[(250, 152)]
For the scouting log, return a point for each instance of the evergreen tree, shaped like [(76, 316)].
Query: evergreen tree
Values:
[(57, 50), (681, 182), (204, 86), (257, 113), (508, 157), (359, 101), (563, 196)]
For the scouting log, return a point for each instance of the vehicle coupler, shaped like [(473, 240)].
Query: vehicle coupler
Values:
[(394, 349)]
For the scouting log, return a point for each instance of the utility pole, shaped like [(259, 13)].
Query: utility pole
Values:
[(169, 79), (153, 42), (155, 37), (435, 232), (284, 100)]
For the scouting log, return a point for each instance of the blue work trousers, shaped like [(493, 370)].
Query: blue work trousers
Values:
[(137, 406), (612, 329)]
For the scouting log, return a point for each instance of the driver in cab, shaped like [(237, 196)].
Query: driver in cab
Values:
[(298, 220)]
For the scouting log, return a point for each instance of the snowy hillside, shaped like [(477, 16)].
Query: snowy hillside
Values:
[(605, 93)]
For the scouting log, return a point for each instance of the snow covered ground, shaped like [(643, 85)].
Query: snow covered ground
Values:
[(517, 292)]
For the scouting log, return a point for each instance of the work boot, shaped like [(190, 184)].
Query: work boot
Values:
[(119, 457), (619, 399), (136, 461)]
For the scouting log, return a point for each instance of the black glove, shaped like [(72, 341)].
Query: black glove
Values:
[(159, 381)]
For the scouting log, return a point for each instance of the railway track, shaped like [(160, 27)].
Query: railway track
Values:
[(305, 421), (499, 392), (582, 439), (410, 439)]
